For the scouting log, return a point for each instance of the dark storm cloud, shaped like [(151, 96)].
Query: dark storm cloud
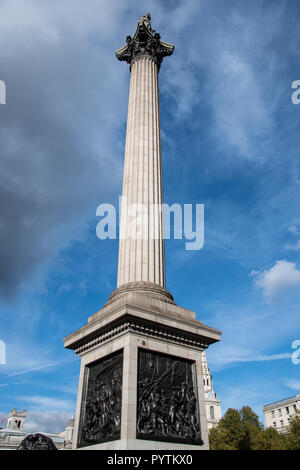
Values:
[(59, 155), (62, 129)]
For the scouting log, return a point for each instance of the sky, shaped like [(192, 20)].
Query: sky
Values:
[(230, 141)]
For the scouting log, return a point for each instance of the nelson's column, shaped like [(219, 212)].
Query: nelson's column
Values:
[(141, 378)]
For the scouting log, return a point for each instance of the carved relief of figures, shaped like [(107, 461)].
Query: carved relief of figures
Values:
[(101, 413), (167, 404)]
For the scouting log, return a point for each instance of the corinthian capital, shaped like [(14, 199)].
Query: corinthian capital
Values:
[(145, 43)]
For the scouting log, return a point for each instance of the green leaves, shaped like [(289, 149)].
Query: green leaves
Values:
[(294, 434), (242, 430)]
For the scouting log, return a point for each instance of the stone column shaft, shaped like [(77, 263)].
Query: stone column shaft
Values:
[(141, 257)]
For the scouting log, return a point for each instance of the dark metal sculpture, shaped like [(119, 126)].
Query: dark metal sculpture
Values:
[(167, 408), (145, 43), (101, 407), (37, 442)]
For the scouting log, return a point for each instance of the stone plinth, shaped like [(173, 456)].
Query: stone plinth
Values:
[(132, 323)]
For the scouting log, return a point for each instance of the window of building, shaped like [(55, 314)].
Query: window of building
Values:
[(212, 412), (287, 410), (279, 412), (274, 424), (273, 414), (281, 422)]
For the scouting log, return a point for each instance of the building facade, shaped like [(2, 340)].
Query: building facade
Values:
[(13, 434), (278, 414), (212, 401), (15, 420)]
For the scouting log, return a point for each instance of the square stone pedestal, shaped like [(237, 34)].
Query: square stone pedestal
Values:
[(141, 384)]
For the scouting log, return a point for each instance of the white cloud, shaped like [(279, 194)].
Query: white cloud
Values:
[(294, 230), (240, 108), (64, 288), (295, 247), (34, 369), (252, 332), (50, 421), (293, 384), (231, 355), (281, 277), (49, 403), (25, 357), (238, 81)]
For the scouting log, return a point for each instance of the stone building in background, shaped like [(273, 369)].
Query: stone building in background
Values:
[(67, 434), (13, 434), (16, 419), (278, 414), (212, 401)]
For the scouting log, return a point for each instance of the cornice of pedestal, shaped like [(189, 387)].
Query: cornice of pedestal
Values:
[(140, 326), (141, 314), (146, 43)]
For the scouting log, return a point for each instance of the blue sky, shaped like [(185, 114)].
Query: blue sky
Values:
[(230, 141)]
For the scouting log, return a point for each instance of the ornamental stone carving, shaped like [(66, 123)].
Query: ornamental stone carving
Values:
[(146, 43)]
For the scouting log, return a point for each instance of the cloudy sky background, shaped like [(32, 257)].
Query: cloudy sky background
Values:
[(230, 140)]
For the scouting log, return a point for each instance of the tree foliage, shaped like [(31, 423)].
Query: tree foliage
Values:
[(242, 430), (270, 439), (294, 433), (236, 430)]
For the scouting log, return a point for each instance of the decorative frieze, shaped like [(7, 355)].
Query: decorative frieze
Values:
[(129, 323)]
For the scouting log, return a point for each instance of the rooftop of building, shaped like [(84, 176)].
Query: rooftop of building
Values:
[(70, 423), (283, 402), (14, 432)]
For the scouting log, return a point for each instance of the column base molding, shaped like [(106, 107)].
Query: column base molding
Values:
[(149, 288)]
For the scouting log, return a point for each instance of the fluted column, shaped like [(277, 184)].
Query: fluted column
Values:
[(141, 252), (141, 262)]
